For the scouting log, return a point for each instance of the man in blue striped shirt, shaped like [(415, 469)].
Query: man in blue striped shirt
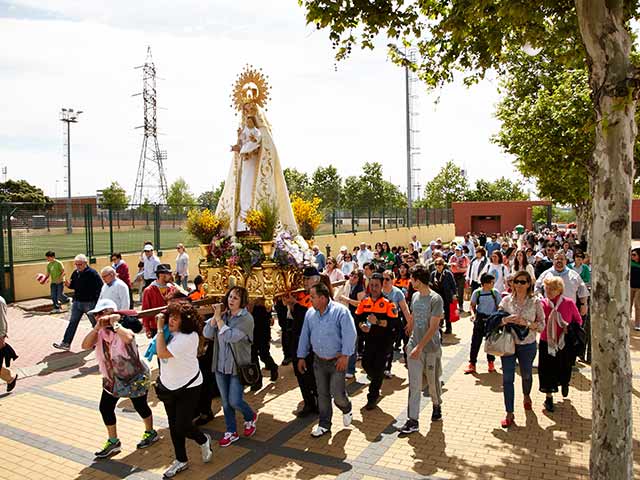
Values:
[(329, 331)]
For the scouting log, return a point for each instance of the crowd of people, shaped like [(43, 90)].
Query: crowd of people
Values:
[(528, 295)]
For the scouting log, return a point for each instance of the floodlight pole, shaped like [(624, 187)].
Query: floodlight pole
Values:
[(68, 116)]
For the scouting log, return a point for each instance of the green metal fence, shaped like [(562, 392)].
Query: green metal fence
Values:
[(30, 230)]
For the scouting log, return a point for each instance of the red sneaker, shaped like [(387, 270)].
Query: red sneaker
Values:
[(492, 367), (471, 368), (250, 426), (228, 439)]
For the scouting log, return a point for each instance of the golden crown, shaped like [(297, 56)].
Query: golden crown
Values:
[(250, 87)]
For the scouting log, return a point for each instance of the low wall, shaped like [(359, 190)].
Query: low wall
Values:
[(26, 286)]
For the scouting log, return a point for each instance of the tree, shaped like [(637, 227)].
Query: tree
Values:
[(547, 124), (370, 190), (477, 35), (210, 198), (21, 191), (449, 185), (326, 184), (499, 190), (179, 197), (297, 183), (114, 197)]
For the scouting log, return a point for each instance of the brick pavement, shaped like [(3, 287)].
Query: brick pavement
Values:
[(50, 425)]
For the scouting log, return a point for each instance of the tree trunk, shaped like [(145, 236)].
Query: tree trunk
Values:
[(608, 46), (583, 221)]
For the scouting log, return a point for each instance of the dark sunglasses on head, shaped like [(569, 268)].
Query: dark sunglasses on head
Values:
[(521, 282)]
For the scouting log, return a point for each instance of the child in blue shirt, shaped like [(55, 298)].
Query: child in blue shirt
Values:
[(484, 302)]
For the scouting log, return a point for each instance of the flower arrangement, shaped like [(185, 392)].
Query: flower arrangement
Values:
[(292, 251), (228, 250), (205, 225), (307, 213), (263, 220)]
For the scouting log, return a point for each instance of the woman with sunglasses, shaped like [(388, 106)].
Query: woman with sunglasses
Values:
[(348, 265), (526, 319), (331, 269)]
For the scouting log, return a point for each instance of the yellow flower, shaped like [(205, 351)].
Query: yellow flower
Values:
[(205, 224), (307, 213)]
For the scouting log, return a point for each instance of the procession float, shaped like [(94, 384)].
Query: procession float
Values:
[(254, 239)]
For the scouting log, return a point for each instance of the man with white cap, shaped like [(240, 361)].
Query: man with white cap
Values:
[(428, 253), (151, 262)]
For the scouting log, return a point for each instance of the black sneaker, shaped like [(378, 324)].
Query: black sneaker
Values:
[(274, 373), (437, 413), (548, 404), (565, 391), (411, 426), (110, 448), (148, 438), (12, 384), (62, 346), (286, 361)]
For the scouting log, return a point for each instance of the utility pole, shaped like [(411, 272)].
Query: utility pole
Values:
[(68, 116), (151, 182)]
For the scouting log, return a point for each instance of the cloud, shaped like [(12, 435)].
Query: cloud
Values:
[(75, 54)]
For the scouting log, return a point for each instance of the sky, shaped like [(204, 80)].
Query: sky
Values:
[(76, 54)]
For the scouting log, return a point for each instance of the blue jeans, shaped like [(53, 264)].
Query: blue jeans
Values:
[(77, 310), (232, 400), (525, 355), (57, 295), (351, 366), (183, 280)]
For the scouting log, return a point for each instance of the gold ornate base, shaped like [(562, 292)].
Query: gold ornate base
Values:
[(267, 281)]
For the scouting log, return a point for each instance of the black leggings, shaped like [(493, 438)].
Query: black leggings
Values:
[(108, 407), (180, 414)]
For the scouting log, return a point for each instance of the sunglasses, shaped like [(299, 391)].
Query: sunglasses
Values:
[(386, 279), (521, 282)]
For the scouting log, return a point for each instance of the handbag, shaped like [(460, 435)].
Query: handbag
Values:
[(248, 374), (454, 314), (500, 343), (165, 395)]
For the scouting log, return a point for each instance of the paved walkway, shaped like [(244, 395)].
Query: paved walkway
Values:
[(50, 425)]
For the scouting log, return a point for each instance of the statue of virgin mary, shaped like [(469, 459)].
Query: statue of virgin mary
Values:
[(255, 175)]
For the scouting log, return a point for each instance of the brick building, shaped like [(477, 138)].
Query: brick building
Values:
[(494, 217)]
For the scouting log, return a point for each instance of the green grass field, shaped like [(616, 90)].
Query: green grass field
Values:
[(32, 245)]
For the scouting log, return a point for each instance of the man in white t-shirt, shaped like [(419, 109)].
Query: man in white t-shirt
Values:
[(364, 255), (416, 243)]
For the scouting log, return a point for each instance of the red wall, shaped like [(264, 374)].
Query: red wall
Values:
[(510, 213), (635, 210)]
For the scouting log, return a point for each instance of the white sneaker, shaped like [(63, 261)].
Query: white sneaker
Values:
[(207, 453), (349, 376), (637, 328), (319, 431), (388, 374), (346, 418), (175, 468)]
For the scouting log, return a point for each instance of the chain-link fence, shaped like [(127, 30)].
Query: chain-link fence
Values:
[(31, 230)]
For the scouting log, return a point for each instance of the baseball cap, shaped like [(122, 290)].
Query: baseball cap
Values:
[(148, 248), (103, 304), (163, 268), (310, 272)]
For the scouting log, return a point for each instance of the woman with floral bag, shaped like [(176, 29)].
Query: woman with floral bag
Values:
[(123, 374)]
